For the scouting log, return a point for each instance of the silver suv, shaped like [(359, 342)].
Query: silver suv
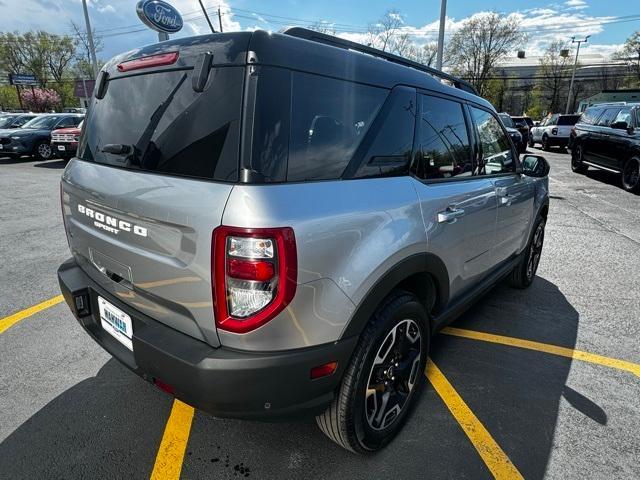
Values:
[(267, 225)]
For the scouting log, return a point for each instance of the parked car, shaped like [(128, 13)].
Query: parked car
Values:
[(607, 138), (553, 131), (64, 141), (514, 134), (524, 125), (276, 279), (34, 137), (14, 120)]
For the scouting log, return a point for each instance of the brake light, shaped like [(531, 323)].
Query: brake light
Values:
[(254, 275), (159, 60)]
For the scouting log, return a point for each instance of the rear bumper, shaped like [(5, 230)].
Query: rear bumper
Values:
[(558, 141), (223, 382)]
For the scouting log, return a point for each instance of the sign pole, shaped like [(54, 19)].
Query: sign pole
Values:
[(443, 20), (19, 97)]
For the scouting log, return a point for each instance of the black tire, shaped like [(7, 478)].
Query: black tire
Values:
[(631, 175), (545, 143), (522, 276), (577, 155), (42, 151), (355, 420)]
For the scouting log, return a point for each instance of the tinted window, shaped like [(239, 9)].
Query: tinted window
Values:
[(44, 122), (623, 116), (608, 116), (591, 115), (444, 148), (497, 155), (165, 126), (506, 120), (387, 147), (329, 119), (68, 122), (565, 120)]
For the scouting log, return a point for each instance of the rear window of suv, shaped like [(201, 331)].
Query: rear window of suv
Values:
[(565, 120), (162, 125)]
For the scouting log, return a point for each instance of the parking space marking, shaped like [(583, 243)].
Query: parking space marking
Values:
[(545, 348), (493, 456), (170, 455), (11, 320)]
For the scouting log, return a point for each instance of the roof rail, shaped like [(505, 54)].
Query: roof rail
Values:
[(323, 38)]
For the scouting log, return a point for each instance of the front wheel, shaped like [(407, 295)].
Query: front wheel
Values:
[(524, 273), (383, 379), (42, 150), (577, 165), (631, 175)]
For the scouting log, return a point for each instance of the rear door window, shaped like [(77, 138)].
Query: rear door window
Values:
[(156, 122), (444, 147), (624, 116)]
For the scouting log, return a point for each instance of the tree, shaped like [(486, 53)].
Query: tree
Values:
[(45, 55), (481, 43), (554, 71), (40, 99), (387, 35), (323, 26), (631, 54), (82, 57), (425, 54), (8, 98)]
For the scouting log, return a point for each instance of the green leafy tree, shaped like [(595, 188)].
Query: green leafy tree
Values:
[(631, 54)]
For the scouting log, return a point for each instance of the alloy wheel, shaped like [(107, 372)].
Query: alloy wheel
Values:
[(535, 250), (631, 174), (393, 375), (44, 151)]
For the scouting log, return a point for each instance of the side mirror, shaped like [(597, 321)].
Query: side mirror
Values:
[(536, 124), (620, 125), (535, 166)]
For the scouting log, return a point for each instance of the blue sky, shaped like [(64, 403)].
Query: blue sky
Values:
[(609, 22)]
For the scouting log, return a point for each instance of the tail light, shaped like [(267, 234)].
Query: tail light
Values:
[(254, 275), (554, 131)]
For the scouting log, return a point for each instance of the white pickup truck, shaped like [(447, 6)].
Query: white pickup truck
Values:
[(553, 131)]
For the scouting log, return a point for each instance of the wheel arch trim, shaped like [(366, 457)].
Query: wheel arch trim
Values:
[(420, 263)]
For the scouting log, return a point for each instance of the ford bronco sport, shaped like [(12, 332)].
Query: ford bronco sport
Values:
[(268, 225)]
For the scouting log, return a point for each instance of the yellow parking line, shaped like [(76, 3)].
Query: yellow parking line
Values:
[(11, 320), (174, 443), (546, 348), (493, 456)]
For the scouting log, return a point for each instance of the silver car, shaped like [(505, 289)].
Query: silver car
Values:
[(268, 225)]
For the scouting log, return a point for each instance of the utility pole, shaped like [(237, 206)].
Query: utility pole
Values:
[(443, 19), (220, 20), (575, 65), (204, 10), (92, 49)]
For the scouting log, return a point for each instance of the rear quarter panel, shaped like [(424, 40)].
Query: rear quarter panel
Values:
[(348, 234)]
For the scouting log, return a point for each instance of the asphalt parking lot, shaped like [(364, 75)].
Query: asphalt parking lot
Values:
[(541, 383)]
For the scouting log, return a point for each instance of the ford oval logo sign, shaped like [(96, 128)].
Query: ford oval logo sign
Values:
[(159, 15)]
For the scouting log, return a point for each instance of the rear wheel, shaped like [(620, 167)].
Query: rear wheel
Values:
[(42, 150), (631, 175), (577, 155), (545, 143), (522, 276), (383, 380)]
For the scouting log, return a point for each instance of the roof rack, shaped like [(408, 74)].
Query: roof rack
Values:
[(323, 38)]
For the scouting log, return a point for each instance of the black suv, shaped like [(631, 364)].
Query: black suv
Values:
[(607, 138)]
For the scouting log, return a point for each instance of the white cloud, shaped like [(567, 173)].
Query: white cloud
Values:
[(575, 3)]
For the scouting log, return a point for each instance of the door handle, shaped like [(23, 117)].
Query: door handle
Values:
[(450, 215), (503, 195)]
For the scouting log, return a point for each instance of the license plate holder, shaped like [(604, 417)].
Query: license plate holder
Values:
[(115, 322)]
